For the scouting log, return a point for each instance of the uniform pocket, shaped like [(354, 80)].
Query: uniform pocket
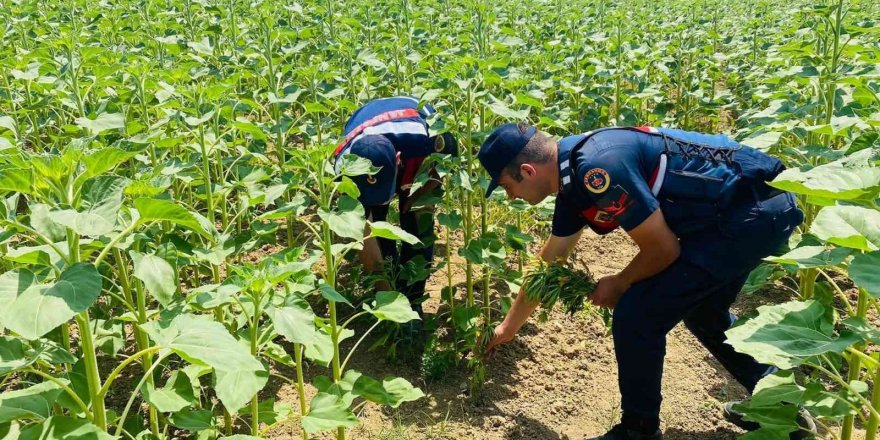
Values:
[(685, 216), (691, 185), (689, 200)]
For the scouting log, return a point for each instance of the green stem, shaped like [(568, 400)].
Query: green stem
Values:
[(849, 388), (65, 336), (113, 375), (358, 343), (90, 361), (839, 292), (855, 366), (807, 282), (255, 336), (206, 171), (874, 421), (136, 391), (82, 405), (300, 383), (113, 242), (330, 277)]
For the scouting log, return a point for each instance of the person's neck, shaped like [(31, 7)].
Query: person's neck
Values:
[(555, 171)]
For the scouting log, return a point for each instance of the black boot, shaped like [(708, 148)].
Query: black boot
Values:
[(621, 432), (634, 428)]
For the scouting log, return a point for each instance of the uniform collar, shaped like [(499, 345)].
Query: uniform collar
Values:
[(565, 147)]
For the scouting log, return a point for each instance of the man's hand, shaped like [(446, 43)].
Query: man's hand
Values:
[(502, 336), (608, 291)]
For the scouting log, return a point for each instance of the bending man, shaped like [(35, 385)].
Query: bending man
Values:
[(701, 213)]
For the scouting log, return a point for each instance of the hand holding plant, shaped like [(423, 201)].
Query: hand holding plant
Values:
[(549, 283)]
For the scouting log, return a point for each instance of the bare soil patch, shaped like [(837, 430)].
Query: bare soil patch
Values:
[(556, 380)]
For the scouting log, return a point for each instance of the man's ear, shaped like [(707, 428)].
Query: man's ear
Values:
[(527, 169), (398, 158)]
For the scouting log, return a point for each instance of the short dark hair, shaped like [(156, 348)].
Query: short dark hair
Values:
[(535, 151)]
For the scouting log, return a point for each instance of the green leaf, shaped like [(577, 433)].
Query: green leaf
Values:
[(452, 220), (203, 47), (270, 411), (330, 294), (353, 165), (295, 321), (41, 308), (236, 387), (850, 226), (15, 180), (102, 196), (103, 160), (64, 428), (42, 223), (347, 220), (828, 405), (238, 374), (779, 387), (861, 327), (846, 179), (328, 412), (176, 395), (486, 250), (763, 141), (760, 277), (157, 209), (12, 355), (391, 232), (501, 109), (32, 403), (12, 284), (52, 353), (348, 187), (193, 420), (865, 272), (776, 423), (104, 122), (391, 306), (516, 239), (788, 334), (109, 336), (157, 274), (806, 257), (83, 223), (76, 375), (391, 392)]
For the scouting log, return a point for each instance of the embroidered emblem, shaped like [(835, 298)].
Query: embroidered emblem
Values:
[(616, 202), (439, 143), (603, 217), (597, 180)]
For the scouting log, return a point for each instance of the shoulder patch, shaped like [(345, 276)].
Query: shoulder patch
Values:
[(597, 180), (439, 143)]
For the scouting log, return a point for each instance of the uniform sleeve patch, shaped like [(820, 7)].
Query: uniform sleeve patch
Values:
[(617, 202), (597, 180), (439, 143)]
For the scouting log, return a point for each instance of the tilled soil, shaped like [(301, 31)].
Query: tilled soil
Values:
[(556, 380)]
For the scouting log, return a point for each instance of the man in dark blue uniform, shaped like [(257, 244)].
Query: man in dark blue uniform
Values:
[(701, 214), (393, 134)]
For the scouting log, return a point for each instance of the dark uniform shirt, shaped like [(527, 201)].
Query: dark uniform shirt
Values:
[(611, 184)]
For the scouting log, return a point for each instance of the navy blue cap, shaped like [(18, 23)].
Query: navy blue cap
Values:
[(444, 144), (377, 189), (501, 147)]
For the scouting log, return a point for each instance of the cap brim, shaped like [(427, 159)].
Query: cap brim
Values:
[(492, 185)]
